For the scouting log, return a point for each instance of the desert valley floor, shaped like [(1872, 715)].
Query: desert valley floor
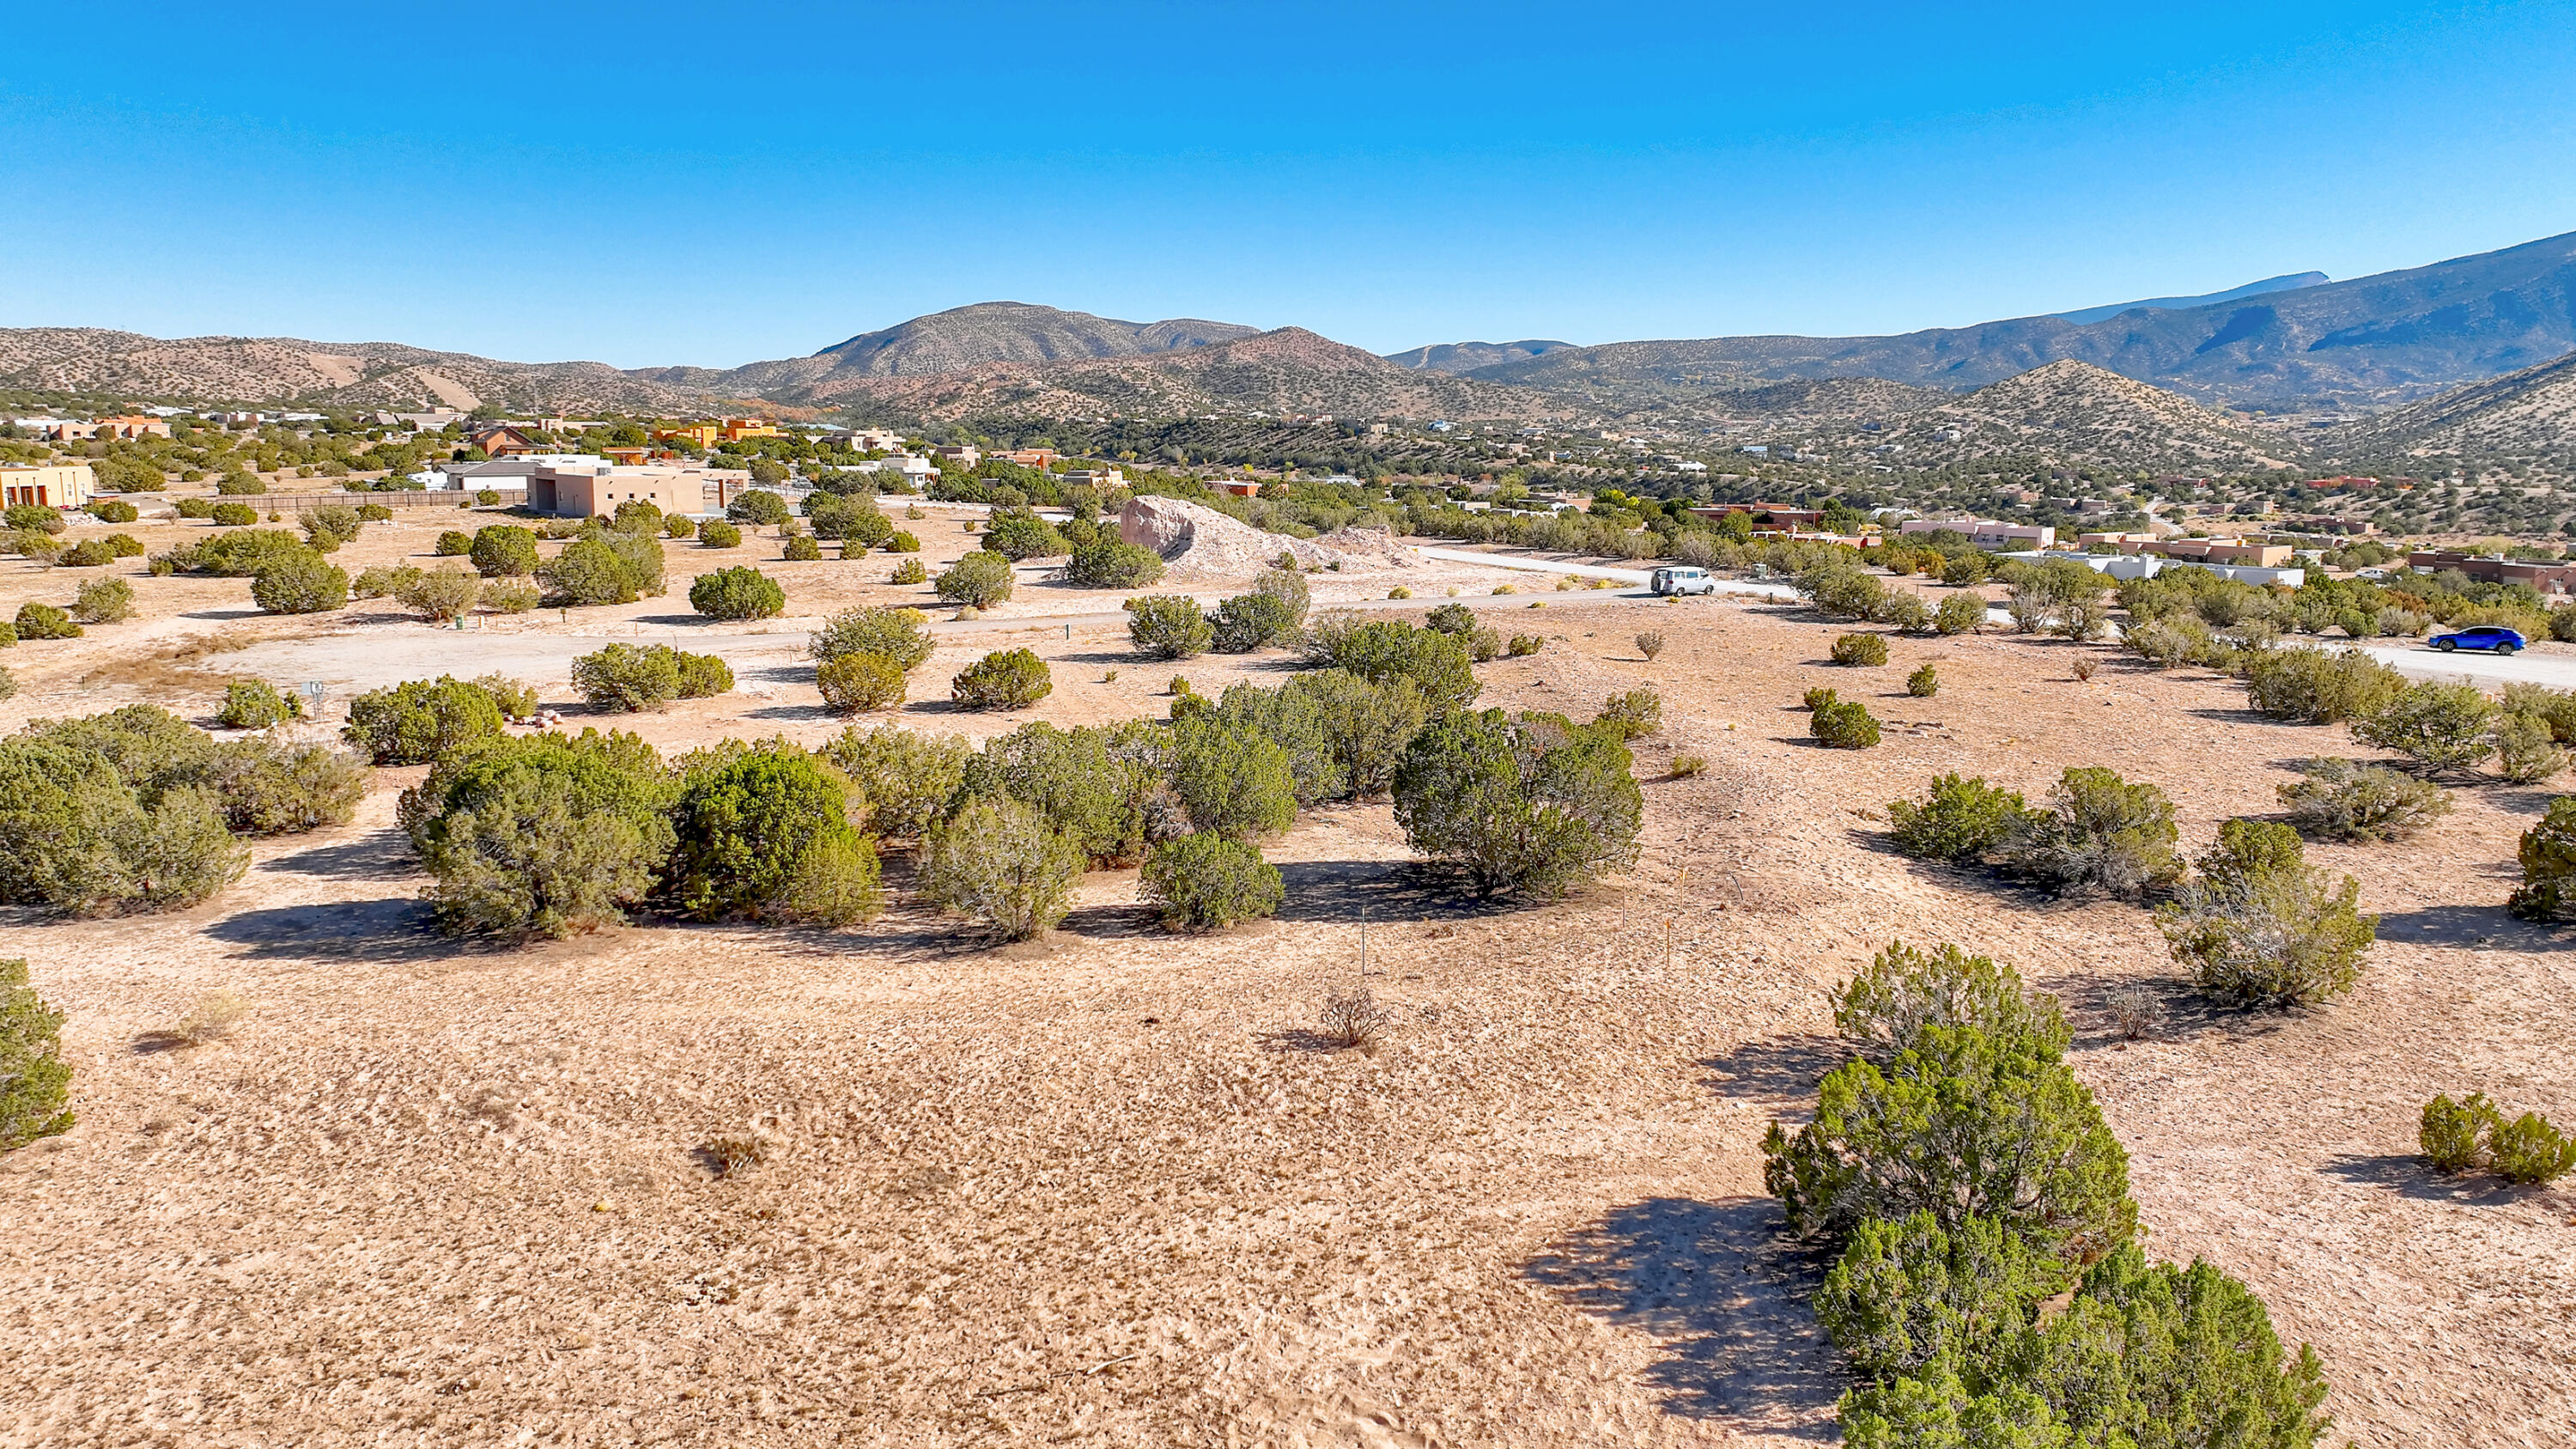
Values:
[(1110, 1187)]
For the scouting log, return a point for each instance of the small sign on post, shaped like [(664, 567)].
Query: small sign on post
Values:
[(312, 691)]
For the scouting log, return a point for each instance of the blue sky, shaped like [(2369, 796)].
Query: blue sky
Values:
[(646, 183)]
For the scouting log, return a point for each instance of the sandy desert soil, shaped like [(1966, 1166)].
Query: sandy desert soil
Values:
[(1112, 1189)]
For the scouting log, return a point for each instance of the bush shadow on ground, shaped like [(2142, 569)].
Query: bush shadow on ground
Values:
[(1724, 1290), (1342, 891), (373, 856), (1776, 1068), (2474, 928), (2408, 1174), (392, 930)]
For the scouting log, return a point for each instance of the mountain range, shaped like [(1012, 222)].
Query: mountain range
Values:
[(2461, 355)]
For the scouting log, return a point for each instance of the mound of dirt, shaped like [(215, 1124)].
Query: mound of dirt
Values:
[(1199, 544)]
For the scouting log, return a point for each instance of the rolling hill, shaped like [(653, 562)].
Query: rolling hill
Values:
[(286, 370), (2073, 413), (2289, 283), (1463, 356), (2528, 414), (960, 339), (2379, 339), (1289, 370)]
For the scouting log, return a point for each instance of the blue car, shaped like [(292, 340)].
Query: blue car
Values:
[(2484, 636)]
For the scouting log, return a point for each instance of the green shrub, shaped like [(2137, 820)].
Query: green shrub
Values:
[(799, 548), (36, 516), (679, 525), (113, 510), (2454, 1134), (1095, 785), (765, 835), (374, 513), (512, 698), (440, 595), (104, 601), (1005, 679), (742, 592), (2097, 831), (716, 533), (416, 722), (233, 515), (628, 677), (1016, 534), (2259, 928), (1288, 587), (195, 508), (1168, 626), (2341, 800), (456, 544), (1525, 644), (758, 506), (909, 571), (1528, 804), (543, 836), (1844, 725), (2528, 1150), (35, 1081), (1959, 614), (1232, 779), (501, 550), (2548, 854), (1364, 726), (904, 541), (1923, 683), (44, 621), (703, 676), (266, 788), (2319, 686), (1863, 649), (851, 683), (1205, 882), (376, 583), (637, 516), (485, 497), (2526, 752), (255, 704), (1633, 715), (32, 543), (1963, 1124), (1001, 861), (1959, 819), (1909, 1294), (905, 778), (1818, 698), (113, 813), (2554, 707), (300, 583), (979, 580), (1252, 621), (900, 635), (1110, 564), (329, 525), (1890, 1006), (1453, 619), (2443, 725), (1385, 649), (509, 596), (241, 484)]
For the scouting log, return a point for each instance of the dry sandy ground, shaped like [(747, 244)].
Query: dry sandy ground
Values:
[(1111, 1189)]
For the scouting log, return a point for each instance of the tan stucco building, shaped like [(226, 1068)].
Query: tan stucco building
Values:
[(53, 485)]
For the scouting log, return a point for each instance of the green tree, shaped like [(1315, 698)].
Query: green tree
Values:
[(979, 580), (545, 836), (1168, 626), (1016, 534), (1204, 882), (1110, 564), (1004, 679), (1961, 818), (35, 1081), (2548, 855), (416, 722), (766, 835), (1001, 861), (904, 778), (1233, 781), (2097, 831), (2443, 725), (501, 550), (1527, 803), (300, 583), (759, 506), (737, 593)]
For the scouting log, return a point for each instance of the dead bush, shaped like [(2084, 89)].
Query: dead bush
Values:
[(1352, 1019)]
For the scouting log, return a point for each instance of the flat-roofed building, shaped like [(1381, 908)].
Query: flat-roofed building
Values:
[(47, 485)]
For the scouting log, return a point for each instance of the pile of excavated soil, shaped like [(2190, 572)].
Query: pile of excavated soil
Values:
[(1201, 545)]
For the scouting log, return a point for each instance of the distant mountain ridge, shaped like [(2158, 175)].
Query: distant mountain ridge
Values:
[(2290, 283), (2371, 340), (1462, 356)]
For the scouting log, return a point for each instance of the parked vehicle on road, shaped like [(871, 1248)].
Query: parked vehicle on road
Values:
[(2484, 636), (1683, 581)]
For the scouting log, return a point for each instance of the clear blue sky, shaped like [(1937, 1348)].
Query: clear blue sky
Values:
[(647, 183)]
